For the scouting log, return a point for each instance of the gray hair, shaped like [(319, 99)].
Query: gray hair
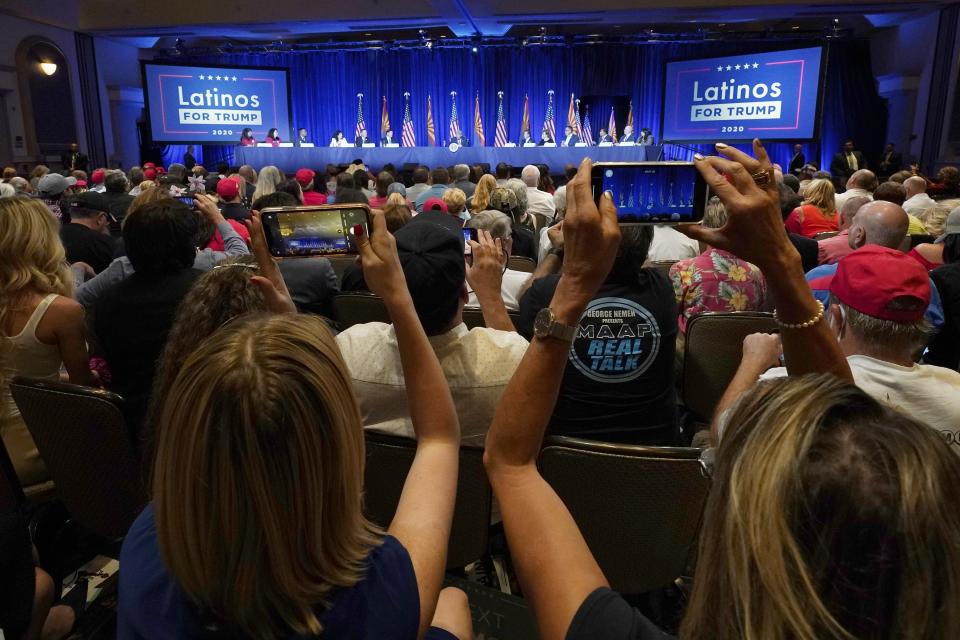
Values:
[(7, 190), (560, 200), (530, 175), (496, 223), (884, 335), (520, 190), (461, 172), (19, 184), (715, 214)]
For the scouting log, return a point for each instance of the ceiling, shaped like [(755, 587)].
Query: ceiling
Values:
[(295, 22)]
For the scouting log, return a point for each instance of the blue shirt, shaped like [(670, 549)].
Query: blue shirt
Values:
[(385, 604), (933, 315), (435, 191)]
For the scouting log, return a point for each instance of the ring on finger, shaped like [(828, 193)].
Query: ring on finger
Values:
[(761, 178)]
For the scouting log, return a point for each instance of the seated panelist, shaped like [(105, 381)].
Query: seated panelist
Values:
[(628, 135), (361, 139), (545, 138), (387, 138), (604, 136), (570, 139), (525, 137)]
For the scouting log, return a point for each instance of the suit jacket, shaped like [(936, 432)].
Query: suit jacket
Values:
[(647, 139), (542, 142), (629, 138), (797, 162), (462, 141), (70, 163), (384, 141), (571, 141), (528, 140), (298, 142), (891, 166), (604, 139), (189, 161), (839, 166), (358, 141)]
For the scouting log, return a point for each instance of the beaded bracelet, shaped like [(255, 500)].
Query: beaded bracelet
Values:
[(802, 325)]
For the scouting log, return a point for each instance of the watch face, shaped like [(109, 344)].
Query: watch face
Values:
[(543, 322)]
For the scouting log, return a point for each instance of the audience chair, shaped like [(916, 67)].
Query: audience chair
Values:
[(84, 441), (906, 244), (639, 508), (712, 352), (358, 308), (663, 265), (388, 462), (473, 317), (541, 221), (340, 264), (920, 239), (823, 235), (522, 263)]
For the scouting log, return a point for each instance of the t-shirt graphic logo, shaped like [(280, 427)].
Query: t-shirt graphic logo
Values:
[(617, 341)]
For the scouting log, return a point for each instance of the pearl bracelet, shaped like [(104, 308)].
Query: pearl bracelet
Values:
[(802, 325)]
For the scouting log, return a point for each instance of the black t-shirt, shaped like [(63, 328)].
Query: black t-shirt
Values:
[(604, 615), (132, 320), (83, 244), (945, 347), (524, 242), (235, 211), (618, 382)]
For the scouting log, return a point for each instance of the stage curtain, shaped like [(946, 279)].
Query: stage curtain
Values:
[(324, 87)]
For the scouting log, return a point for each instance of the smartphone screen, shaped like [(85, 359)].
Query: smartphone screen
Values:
[(652, 192), (187, 200), (313, 231), (468, 235)]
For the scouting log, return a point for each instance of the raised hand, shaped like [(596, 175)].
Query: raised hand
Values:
[(270, 281), (380, 261), (754, 229), (208, 207), (485, 271)]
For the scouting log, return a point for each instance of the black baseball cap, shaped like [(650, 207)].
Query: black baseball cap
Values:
[(91, 200), (430, 247)]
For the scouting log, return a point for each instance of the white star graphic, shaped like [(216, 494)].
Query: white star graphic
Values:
[(200, 76), (756, 66), (720, 68), (234, 78), (218, 77), (729, 68), (746, 65), (737, 67)]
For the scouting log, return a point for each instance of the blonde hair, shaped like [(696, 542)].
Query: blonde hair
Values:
[(935, 218), (481, 195), (258, 476), (456, 201), (715, 214), (821, 194), (267, 182), (32, 258), (396, 212), (831, 516)]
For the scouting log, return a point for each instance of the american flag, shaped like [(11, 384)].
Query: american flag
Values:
[(501, 136), (408, 138), (361, 125), (454, 118), (587, 130), (612, 126), (525, 123), (431, 132), (479, 138), (548, 123)]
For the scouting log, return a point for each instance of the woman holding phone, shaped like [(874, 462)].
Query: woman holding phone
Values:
[(256, 527)]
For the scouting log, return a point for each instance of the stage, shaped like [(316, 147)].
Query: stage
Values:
[(289, 159)]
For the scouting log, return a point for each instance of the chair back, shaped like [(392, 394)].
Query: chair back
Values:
[(639, 508), (663, 265), (473, 317), (83, 438), (906, 244), (921, 238), (358, 308), (823, 235), (388, 461), (521, 263), (542, 221), (712, 352), (340, 264)]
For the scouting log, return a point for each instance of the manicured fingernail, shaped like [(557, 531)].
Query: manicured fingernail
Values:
[(720, 145), (608, 195), (358, 230), (697, 156)]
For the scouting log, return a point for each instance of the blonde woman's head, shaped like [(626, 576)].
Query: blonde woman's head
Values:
[(456, 201), (268, 181), (935, 218), (821, 194), (31, 254), (481, 195), (258, 476), (830, 516), (715, 214)]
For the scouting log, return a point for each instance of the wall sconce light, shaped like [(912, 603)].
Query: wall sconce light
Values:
[(48, 68)]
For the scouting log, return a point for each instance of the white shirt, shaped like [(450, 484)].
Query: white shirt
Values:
[(924, 392), (852, 161), (918, 204), (541, 202), (567, 141), (851, 193), (509, 290), (670, 244), (477, 363)]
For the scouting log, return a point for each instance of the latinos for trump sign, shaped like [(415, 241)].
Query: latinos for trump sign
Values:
[(769, 95), (214, 104)]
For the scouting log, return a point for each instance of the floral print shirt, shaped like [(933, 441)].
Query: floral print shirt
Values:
[(716, 281)]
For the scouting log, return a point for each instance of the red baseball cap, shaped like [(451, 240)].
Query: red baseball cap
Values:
[(305, 176), (228, 188), (148, 165), (160, 170), (81, 183), (97, 176), (435, 204), (880, 282), (150, 174)]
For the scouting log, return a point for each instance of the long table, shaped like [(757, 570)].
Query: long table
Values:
[(289, 159)]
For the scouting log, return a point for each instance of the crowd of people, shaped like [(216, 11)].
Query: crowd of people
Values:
[(830, 512)]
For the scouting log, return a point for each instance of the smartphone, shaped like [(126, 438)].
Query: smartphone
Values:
[(652, 192), (468, 235), (313, 230), (187, 200)]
